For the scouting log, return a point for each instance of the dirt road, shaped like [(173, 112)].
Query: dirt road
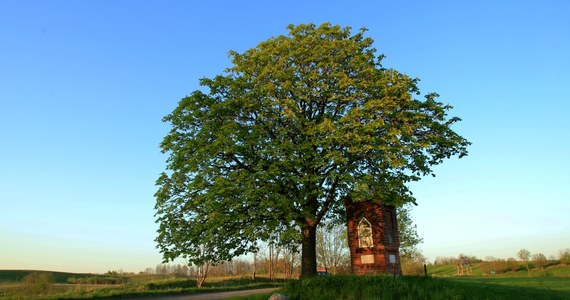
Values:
[(214, 296)]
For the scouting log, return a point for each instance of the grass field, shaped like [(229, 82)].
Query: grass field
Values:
[(409, 287), (450, 270), (561, 284), (551, 283), (11, 286)]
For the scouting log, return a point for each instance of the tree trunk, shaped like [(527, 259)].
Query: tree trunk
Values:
[(271, 267), (309, 253), (254, 265), (201, 274)]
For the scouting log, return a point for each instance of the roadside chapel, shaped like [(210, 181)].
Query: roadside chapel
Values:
[(373, 238)]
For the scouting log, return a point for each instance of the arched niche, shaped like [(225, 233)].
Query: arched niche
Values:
[(365, 239)]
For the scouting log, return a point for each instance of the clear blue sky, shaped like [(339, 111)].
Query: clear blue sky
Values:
[(84, 86)]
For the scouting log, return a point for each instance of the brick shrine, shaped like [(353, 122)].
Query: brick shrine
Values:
[(373, 238)]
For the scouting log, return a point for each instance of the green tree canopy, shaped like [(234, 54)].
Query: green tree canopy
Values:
[(293, 127)]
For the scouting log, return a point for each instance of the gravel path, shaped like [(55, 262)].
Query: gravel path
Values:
[(215, 295)]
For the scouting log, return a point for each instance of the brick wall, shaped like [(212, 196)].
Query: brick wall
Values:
[(383, 257)]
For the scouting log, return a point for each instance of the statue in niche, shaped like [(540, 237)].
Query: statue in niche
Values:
[(365, 234)]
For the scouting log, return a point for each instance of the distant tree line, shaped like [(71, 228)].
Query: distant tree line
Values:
[(282, 263), (525, 260)]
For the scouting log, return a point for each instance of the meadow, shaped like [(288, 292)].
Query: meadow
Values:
[(551, 283), (15, 285), (416, 287)]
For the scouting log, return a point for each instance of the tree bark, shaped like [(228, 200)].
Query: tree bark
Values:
[(254, 265), (308, 252), (271, 266), (201, 274)]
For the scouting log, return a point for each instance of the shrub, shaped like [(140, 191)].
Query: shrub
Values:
[(413, 263), (37, 283), (513, 264), (564, 256), (539, 260)]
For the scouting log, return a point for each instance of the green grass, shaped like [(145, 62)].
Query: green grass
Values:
[(561, 284), (138, 286), (10, 276), (551, 283), (408, 287), (450, 270), (556, 271)]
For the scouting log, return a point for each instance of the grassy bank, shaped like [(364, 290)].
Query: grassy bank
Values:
[(13, 276)]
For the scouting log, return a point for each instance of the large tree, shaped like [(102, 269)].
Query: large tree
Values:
[(524, 256), (277, 142)]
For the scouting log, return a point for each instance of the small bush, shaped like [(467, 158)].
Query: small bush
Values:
[(564, 256), (37, 283)]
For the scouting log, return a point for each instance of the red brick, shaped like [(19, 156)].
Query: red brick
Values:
[(386, 242)]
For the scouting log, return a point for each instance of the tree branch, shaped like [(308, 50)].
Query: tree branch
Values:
[(330, 198), (240, 163)]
